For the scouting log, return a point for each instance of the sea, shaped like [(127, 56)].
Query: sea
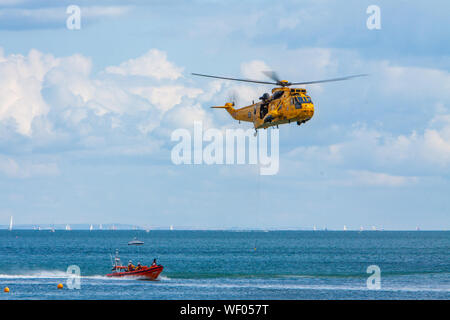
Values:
[(228, 264)]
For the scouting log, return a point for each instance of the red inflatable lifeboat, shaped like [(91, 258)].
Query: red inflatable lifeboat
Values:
[(140, 272)]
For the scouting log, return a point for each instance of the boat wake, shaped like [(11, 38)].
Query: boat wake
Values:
[(47, 274), (322, 287), (58, 274)]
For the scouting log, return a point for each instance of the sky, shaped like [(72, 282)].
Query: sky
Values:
[(86, 115)]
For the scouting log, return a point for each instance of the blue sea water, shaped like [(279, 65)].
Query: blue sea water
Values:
[(229, 265)]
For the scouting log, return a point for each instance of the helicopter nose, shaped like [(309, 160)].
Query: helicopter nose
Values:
[(308, 110)]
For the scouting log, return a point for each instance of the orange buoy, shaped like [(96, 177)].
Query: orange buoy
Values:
[(6, 289), (60, 286)]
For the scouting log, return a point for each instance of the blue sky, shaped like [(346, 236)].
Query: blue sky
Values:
[(86, 115)]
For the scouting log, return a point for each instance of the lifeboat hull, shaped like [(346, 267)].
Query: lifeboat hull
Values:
[(147, 273)]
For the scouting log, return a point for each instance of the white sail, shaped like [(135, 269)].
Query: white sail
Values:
[(68, 227), (10, 223), (345, 228), (91, 228), (171, 227)]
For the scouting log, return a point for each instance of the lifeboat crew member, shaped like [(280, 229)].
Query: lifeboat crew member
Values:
[(130, 266), (138, 267), (154, 262)]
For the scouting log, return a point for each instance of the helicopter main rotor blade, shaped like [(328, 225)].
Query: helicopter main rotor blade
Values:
[(329, 80), (234, 79), (272, 75)]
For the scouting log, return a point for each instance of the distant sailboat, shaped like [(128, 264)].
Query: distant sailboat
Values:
[(345, 228), (68, 227), (314, 228), (100, 227), (91, 228), (171, 227), (374, 228), (10, 224), (361, 229)]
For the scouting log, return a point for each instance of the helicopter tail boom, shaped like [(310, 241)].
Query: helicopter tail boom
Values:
[(229, 108)]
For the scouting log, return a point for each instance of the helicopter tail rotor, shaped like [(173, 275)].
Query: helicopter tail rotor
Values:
[(233, 97)]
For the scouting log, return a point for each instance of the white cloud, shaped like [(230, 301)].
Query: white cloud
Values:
[(104, 11), (166, 97), (60, 101), (61, 97), (26, 169), (414, 82), (288, 22), (422, 153), (153, 64), (54, 16), (185, 116), (254, 70), (20, 87), (367, 178)]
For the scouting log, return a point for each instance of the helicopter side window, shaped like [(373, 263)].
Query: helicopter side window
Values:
[(298, 103)]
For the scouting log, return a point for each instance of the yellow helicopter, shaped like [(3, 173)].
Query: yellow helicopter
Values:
[(285, 105)]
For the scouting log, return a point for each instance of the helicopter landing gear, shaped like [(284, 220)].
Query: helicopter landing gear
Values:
[(255, 133), (301, 122)]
